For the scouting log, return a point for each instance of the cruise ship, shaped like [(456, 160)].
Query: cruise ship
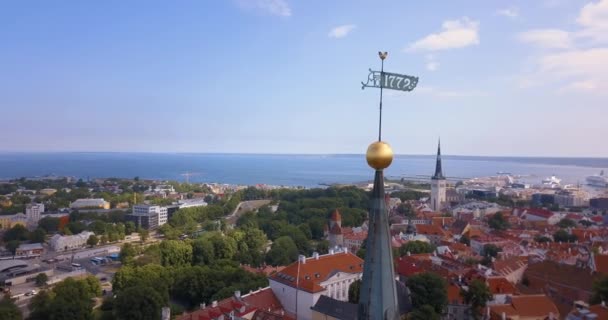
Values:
[(552, 182), (598, 180)]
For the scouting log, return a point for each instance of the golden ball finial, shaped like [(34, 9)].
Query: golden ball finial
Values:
[(379, 155)]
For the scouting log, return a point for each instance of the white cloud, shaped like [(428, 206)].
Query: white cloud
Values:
[(341, 31), (590, 63), (455, 34), (432, 65), (547, 38), (594, 15), (584, 86), (577, 58), (274, 7), (509, 12)]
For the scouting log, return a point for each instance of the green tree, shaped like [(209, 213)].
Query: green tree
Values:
[(428, 289), (175, 253), (127, 254), (323, 247), (566, 223), (17, 232), (563, 236), (203, 251), (491, 250), (138, 303), (38, 236), (92, 240), (600, 290), (415, 247), (49, 224), (542, 239), (40, 304), (8, 309), (425, 312), (498, 222), (12, 246), (76, 227), (465, 240), (41, 279), (143, 235), (103, 239), (70, 300), (477, 295), (353, 291), (282, 252)]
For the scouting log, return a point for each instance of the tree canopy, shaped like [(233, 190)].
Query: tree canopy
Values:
[(600, 291), (428, 289), (566, 223), (416, 247), (138, 303), (498, 222), (8, 309), (282, 252), (563, 236), (477, 295)]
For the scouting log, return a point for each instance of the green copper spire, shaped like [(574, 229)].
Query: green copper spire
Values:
[(378, 296)]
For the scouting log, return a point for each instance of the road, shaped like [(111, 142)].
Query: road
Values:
[(244, 207)]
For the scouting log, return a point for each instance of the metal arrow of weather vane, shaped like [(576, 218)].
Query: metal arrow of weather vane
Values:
[(394, 81)]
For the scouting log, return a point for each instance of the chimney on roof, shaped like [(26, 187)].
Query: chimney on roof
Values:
[(345, 249), (302, 259), (202, 306), (315, 255), (214, 303), (331, 251), (603, 303), (237, 294), (504, 316)]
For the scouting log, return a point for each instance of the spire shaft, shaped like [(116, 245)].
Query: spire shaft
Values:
[(378, 296), (438, 169)]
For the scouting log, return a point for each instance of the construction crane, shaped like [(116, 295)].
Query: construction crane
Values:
[(188, 175)]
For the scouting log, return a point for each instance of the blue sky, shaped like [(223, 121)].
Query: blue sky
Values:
[(282, 76)]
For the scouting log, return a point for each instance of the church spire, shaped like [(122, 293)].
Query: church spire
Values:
[(378, 295), (438, 171)]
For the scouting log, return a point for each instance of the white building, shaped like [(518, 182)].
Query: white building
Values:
[(151, 210), (330, 275), (63, 243), (32, 213), (189, 203), (90, 203)]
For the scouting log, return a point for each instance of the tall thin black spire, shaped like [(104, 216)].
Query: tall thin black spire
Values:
[(438, 171)]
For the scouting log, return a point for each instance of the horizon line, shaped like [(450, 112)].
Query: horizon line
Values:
[(299, 154)]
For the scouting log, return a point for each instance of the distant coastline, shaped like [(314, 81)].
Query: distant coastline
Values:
[(281, 169)]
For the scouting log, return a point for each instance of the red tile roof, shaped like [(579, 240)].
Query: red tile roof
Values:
[(526, 306), (601, 263), (356, 236), (543, 213), (429, 229), (454, 294), (500, 285), (263, 299), (314, 271), (600, 310)]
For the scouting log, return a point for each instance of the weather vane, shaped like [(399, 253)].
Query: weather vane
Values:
[(379, 154)]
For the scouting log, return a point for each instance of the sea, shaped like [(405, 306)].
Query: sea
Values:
[(285, 170)]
